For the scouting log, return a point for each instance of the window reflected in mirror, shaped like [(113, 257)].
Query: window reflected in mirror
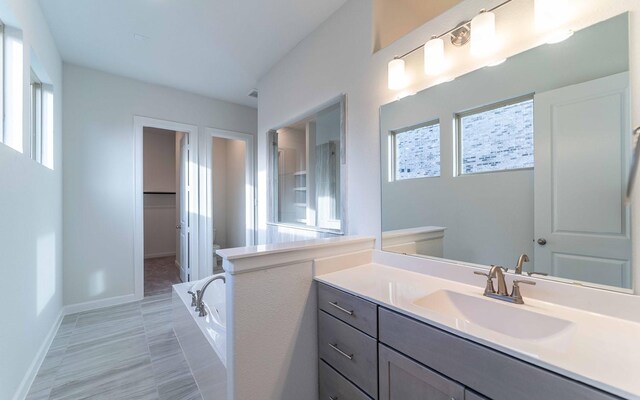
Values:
[(498, 137), (416, 151)]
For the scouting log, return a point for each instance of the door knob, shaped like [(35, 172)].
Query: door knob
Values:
[(542, 241), (178, 227)]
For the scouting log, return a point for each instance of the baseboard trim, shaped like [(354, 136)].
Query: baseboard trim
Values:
[(97, 304), (33, 369), (158, 255)]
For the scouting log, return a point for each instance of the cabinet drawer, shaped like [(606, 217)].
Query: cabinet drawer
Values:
[(335, 386), (486, 371), (349, 351), (469, 395), (353, 310), (404, 379)]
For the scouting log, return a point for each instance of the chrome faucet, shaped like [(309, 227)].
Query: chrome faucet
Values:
[(523, 259), (497, 272), (200, 295)]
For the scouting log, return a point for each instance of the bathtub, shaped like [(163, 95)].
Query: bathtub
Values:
[(203, 339)]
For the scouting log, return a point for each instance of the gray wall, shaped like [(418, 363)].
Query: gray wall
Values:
[(30, 215), (99, 140)]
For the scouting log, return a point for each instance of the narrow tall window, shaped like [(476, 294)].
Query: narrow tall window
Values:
[(498, 137), (2, 95), (36, 118), (416, 151)]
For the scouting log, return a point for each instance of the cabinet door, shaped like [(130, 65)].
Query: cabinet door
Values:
[(403, 379)]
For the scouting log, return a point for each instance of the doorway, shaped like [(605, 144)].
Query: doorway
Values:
[(164, 182), (165, 232), (230, 194)]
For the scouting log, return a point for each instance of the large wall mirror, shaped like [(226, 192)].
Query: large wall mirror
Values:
[(522, 165), (306, 159)]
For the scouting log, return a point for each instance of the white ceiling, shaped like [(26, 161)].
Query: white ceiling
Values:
[(217, 48)]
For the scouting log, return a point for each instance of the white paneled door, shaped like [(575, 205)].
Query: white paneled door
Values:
[(582, 146), (185, 193)]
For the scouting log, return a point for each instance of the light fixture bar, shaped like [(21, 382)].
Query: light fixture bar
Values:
[(453, 29)]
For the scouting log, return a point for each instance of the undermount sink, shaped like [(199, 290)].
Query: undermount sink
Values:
[(508, 320)]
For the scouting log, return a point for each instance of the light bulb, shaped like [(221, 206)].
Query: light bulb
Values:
[(397, 78), (483, 34), (434, 61), (550, 14)]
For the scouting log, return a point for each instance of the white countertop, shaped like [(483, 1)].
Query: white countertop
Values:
[(412, 231), (600, 350)]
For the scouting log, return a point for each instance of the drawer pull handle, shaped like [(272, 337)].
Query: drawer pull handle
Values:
[(333, 397), (335, 347), (344, 310)]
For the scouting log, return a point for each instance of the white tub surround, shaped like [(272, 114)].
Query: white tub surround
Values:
[(424, 240), (203, 340), (592, 334), (271, 316)]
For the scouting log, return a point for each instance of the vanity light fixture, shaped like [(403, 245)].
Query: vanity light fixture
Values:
[(482, 42), (397, 78), (483, 31), (434, 61)]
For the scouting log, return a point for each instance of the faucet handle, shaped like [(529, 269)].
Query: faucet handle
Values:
[(193, 298), (515, 292), (488, 289), (530, 273)]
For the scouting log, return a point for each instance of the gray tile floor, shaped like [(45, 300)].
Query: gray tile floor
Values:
[(121, 352)]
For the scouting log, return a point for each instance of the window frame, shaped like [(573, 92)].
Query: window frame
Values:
[(393, 156), (457, 122), (36, 116)]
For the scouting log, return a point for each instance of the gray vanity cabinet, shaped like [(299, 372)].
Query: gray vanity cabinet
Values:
[(484, 370), (403, 379), (370, 352), (347, 346)]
